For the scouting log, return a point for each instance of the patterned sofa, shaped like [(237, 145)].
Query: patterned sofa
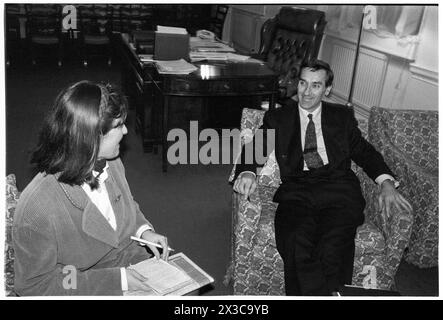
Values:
[(12, 195), (256, 267)]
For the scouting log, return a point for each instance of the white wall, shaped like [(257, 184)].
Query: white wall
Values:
[(406, 84)]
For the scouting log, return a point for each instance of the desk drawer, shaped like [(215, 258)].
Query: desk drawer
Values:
[(256, 85), (184, 86), (218, 87)]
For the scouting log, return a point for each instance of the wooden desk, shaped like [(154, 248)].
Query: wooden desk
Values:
[(214, 79)]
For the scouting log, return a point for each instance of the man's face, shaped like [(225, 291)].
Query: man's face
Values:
[(312, 88)]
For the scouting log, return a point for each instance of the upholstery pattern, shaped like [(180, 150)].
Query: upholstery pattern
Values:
[(408, 139), (251, 120), (257, 268), (12, 195)]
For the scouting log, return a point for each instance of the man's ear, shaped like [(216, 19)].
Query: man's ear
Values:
[(328, 90)]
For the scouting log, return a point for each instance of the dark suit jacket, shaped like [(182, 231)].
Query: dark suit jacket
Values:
[(343, 142)]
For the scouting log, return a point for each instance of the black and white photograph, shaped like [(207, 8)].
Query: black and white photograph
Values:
[(270, 151)]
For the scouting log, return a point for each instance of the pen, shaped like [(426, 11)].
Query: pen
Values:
[(149, 242)]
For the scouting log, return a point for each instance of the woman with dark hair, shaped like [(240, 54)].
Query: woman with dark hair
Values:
[(74, 220)]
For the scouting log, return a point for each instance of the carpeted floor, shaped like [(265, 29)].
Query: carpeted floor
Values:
[(190, 203)]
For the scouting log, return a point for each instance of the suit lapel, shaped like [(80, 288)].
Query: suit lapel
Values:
[(93, 222), (330, 130), (291, 125)]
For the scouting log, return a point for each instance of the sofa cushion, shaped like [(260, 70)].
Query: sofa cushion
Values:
[(12, 195)]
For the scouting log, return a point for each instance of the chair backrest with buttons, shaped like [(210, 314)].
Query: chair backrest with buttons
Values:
[(291, 37)]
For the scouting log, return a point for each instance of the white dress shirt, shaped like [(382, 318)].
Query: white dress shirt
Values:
[(316, 118), (100, 198)]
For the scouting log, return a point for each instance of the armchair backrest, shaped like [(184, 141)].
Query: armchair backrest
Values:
[(294, 35)]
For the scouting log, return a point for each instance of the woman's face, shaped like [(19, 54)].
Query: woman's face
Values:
[(110, 142)]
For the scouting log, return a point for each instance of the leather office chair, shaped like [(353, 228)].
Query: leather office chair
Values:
[(96, 31), (292, 36), (43, 28), (217, 21)]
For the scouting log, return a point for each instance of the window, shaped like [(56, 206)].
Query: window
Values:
[(388, 29)]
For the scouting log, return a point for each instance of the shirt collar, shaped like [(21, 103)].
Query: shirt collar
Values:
[(316, 113), (104, 174)]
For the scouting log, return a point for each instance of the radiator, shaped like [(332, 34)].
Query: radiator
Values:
[(371, 71)]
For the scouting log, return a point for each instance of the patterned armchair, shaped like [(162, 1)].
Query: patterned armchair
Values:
[(12, 195), (408, 140), (256, 267)]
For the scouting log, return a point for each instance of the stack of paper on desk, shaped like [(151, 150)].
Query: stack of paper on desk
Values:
[(199, 56), (179, 276), (175, 67), (206, 45), (176, 30), (146, 57)]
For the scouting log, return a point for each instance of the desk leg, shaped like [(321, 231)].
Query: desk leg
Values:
[(165, 133)]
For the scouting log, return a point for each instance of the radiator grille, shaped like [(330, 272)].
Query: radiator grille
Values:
[(369, 78)]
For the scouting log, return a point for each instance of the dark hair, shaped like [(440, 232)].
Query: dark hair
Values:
[(69, 140), (316, 65)]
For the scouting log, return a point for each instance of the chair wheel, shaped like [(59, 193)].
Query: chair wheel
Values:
[(85, 63)]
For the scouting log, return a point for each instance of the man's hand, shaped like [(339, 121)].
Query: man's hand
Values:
[(245, 184), (390, 196), (151, 236), (135, 281)]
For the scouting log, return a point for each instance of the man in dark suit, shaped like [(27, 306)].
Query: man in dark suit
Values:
[(320, 200)]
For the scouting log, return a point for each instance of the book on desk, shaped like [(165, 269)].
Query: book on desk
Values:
[(176, 277)]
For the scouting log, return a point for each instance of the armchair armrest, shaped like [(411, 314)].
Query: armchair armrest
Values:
[(246, 215), (396, 230)]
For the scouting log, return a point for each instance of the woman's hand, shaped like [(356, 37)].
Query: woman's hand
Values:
[(151, 236), (136, 281)]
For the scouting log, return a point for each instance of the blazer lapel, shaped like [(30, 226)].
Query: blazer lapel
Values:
[(93, 222), (115, 196), (96, 226)]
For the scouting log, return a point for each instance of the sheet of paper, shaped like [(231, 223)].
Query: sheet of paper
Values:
[(175, 67), (198, 277), (162, 276)]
